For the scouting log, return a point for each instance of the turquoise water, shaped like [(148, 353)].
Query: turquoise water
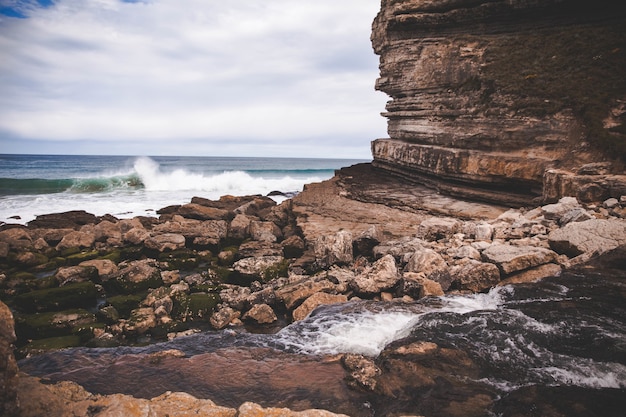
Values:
[(127, 186)]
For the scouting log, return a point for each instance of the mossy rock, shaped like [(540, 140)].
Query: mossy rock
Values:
[(82, 257), (130, 253), (124, 304), (86, 331), (51, 324), (223, 274), (281, 269), (69, 252), (47, 282), (49, 344), (194, 306), (82, 294), (114, 256)]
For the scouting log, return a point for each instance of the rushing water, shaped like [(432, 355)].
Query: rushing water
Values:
[(565, 337)]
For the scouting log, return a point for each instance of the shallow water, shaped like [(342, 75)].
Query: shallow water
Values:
[(533, 344)]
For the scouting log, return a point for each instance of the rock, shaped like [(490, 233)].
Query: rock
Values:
[(15, 238), (249, 409), (141, 320), (240, 226), (254, 249), (382, 275), (484, 232), (577, 214), (73, 274), (334, 249), (366, 241), (592, 237), (293, 247), (200, 212), (265, 231), (137, 276), (362, 371), (610, 203), (475, 276), (76, 240), (82, 294), (510, 259), (402, 250), (8, 366), (302, 288), (136, 235), (432, 265), (223, 317), (557, 210), (533, 274), (437, 228), (416, 285), (165, 242), (466, 251), (314, 301), (106, 268), (108, 232), (68, 220), (261, 314), (53, 324), (258, 267)]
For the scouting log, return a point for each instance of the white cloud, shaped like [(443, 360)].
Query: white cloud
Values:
[(263, 72)]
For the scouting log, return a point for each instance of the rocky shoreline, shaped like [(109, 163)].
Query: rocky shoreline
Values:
[(74, 279)]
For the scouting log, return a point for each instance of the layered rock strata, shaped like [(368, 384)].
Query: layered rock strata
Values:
[(487, 96)]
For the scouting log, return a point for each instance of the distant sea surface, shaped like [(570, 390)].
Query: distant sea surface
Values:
[(128, 186)]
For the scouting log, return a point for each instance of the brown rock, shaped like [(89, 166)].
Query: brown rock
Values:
[(432, 265), (334, 249), (265, 231), (76, 240), (533, 275), (594, 236), (299, 290), (510, 259), (8, 365), (165, 242), (475, 276), (382, 275), (261, 314), (223, 317), (249, 409), (105, 267), (315, 301)]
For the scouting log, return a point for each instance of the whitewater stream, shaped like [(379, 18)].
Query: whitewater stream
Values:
[(559, 344)]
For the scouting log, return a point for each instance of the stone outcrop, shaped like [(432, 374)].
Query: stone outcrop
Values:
[(504, 101)]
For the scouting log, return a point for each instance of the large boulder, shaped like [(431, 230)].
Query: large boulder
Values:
[(335, 249), (475, 276), (165, 242), (76, 239), (138, 276), (303, 287), (510, 258), (595, 236), (432, 265), (316, 300), (262, 267), (437, 228), (261, 314), (381, 276)]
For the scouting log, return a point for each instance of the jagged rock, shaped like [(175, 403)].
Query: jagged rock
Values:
[(437, 228), (510, 259), (223, 317), (254, 249), (165, 242), (475, 276), (265, 231), (261, 314), (258, 266), (138, 276), (366, 241), (76, 240), (465, 251), (610, 203), (362, 371), (262, 296), (235, 297), (108, 232), (334, 249), (382, 275), (303, 287), (416, 285), (577, 214), (484, 231), (590, 237), (432, 265), (401, 250), (557, 210), (293, 246), (316, 300), (16, 238), (141, 320)]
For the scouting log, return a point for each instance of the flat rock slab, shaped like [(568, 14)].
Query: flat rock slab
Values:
[(510, 259), (594, 236)]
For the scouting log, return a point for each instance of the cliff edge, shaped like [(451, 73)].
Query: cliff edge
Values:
[(504, 101)]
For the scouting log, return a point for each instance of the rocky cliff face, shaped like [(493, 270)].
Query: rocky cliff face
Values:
[(504, 100)]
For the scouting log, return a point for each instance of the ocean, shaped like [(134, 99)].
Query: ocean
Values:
[(129, 186)]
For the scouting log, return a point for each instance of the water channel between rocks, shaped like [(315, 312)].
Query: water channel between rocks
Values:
[(532, 346)]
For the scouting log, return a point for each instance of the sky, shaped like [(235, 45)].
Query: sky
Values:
[(284, 78)]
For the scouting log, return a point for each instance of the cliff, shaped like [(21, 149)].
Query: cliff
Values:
[(504, 101)]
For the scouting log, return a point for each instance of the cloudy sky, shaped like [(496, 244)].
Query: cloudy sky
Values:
[(189, 77)]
